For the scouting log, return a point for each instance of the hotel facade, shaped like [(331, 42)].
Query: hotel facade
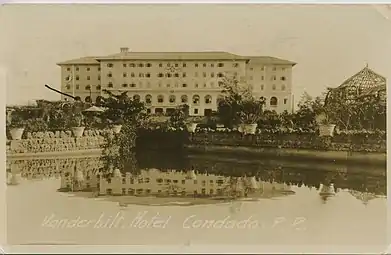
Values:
[(164, 80)]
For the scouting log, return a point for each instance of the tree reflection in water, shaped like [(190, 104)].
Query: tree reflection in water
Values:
[(355, 178)]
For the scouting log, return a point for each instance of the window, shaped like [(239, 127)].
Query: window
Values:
[(262, 86), (274, 68), (160, 65), (204, 85), (195, 111), (98, 68), (124, 65), (283, 78), (204, 65), (196, 99), (208, 99), (110, 85), (196, 85), (67, 78), (88, 69), (147, 75), (160, 99), (184, 75), (184, 99), (235, 64), (184, 85), (274, 87), (132, 65), (136, 97), (68, 69), (68, 86), (283, 87), (148, 65), (98, 87), (262, 68), (77, 68), (168, 64), (176, 64), (77, 77), (124, 74), (196, 65), (273, 101), (98, 77), (168, 75), (176, 75), (274, 78), (285, 100), (160, 75), (77, 86), (220, 75), (124, 85), (220, 65), (141, 65), (204, 74), (262, 77), (132, 75), (133, 85), (212, 75), (168, 85), (184, 64), (109, 75), (251, 69), (196, 74), (109, 65), (212, 65), (140, 75), (88, 87), (148, 99), (283, 69)]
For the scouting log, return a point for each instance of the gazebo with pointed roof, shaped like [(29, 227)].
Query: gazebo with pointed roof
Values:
[(365, 82)]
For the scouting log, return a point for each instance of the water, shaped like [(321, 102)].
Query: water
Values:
[(297, 203)]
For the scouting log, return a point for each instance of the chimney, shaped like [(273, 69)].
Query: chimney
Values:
[(124, 49)]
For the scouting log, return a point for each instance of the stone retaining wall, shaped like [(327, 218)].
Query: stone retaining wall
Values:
[(60, 141)]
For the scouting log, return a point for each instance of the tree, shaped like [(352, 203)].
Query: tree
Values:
[(238, 104)]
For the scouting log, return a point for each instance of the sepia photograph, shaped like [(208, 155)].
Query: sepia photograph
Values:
[(196, 125)]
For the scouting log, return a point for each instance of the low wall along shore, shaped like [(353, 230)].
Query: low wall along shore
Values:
[(63, 143), (60, 141)]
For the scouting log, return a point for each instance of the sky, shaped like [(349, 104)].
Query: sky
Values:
[(329, 43)]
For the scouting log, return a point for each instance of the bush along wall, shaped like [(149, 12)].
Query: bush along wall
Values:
[(357, 141)]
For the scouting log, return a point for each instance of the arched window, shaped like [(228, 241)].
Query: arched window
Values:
[(88, 99), (99, 100), (184, 99), (160, 98), (136, 97), (273, 101), (219, 99), (196, 99), (148, 99), (172, 99), (208, 99)]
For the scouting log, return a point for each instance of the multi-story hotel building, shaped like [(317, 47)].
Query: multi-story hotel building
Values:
[(164, 80)]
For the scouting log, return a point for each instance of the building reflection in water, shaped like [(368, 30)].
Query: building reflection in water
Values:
[(175, 175)]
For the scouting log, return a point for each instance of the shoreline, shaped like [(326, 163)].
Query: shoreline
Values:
[(317, 155)]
